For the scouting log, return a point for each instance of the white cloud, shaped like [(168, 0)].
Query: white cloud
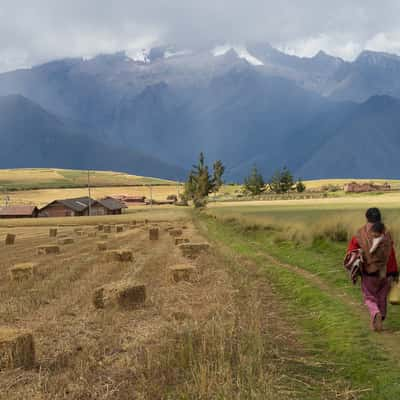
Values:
[(35, 31), (387, 42), (308, 47)]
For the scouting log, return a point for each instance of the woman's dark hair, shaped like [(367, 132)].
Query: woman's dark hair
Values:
[(378, 227), (373, 215)]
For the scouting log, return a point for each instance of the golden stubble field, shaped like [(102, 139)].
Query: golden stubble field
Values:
[(41, 197), (87, 353), (214, 331)]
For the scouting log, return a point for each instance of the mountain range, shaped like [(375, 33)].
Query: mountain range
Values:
[(321, 116)]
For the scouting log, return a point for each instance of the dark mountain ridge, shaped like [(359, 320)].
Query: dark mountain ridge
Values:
[(307, 113), (32, 137)]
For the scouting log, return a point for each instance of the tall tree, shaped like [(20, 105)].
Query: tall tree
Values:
[(281, 181), (254, 183), (219, 170), (200, 183), (287, 181), (300, 186)]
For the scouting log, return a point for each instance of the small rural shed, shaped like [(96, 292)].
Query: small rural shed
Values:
[(80, 207), (19, 212), (67, 208), (128, 199), (112, 206)]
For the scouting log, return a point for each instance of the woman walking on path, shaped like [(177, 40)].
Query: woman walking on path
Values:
[(379, 265)]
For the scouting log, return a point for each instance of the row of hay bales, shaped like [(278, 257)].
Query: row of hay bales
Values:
[(17, 347), (129, 294)]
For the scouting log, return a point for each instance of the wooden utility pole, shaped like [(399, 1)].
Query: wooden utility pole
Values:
[(151, 195), (6, 197), (90, 197)]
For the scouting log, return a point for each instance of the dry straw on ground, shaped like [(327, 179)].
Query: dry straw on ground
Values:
[(48, 249), (16, 349), (23, 271), (122, 294)]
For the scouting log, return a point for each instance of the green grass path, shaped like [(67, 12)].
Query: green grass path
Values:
[(320, 299)]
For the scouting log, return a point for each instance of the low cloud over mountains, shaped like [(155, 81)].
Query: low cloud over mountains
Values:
[(321, 116)]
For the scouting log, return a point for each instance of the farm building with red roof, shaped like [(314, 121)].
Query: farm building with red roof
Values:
[(19, 212)]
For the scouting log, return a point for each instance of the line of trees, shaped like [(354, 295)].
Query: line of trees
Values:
[(282, 181), (202, 182)]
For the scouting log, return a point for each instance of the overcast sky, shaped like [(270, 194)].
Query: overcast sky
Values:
[(35, 31)]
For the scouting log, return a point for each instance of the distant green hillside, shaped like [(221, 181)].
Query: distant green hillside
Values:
[(45, 178)]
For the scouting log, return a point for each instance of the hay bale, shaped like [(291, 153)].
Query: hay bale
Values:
[(80, 233), (101, 246), (66, 240), (92, 234), (23, 271), (120, 255), (121, 294), (179, 241), (119, 228), (153, 233), (179, 315), (53, 232), (48, 249), (175, 232), (181, 272), (107, 229), (192, 250), (103, 236), (10, 239), (16, 349), (100, 227), (126, 255)]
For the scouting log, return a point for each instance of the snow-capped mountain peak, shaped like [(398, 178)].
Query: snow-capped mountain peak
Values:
[(241, 52)]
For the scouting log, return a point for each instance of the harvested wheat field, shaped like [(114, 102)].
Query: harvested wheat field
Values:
[(159, 324)]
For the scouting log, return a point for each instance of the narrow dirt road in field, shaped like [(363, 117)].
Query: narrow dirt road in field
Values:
[(388, 339)]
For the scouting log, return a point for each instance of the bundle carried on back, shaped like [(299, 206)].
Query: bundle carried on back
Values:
[(353, 263)]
